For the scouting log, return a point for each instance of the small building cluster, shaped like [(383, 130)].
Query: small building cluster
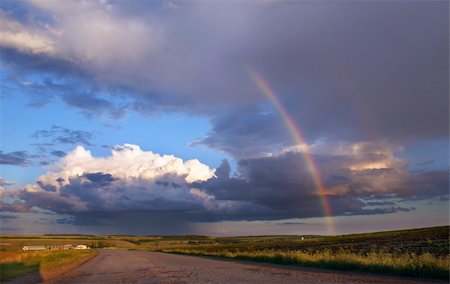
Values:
[(60, 247)]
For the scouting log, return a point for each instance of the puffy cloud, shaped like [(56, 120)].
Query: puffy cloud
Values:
[(129, 179), (128, 163)]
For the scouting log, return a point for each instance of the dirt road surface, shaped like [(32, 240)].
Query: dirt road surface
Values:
[(121, 266)]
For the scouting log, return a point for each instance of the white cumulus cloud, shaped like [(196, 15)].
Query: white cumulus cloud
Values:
[(128, 163), (129, 179)]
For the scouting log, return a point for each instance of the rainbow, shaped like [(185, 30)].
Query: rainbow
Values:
[(296, 134)]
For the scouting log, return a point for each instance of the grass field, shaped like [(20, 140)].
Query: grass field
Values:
[(15, 264), (416, 253)]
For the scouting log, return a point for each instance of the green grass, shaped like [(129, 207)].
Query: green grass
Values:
[(15, 269), (15, 264)]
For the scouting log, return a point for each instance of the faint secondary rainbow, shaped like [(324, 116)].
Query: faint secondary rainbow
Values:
[(351, 93), (295, 132)]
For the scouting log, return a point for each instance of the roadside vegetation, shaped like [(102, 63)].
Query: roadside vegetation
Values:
[(412, 265), (15, 264), (415, 253)]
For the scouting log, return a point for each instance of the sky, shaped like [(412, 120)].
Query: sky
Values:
[(223, 117)]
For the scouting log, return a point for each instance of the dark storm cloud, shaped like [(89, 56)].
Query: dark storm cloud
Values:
[(88, 188), (376, 203), (345, 70), (46, 200), (7, 217), (425, 185), (246, 133), (60, 135), (19, 63), (46, 187), (64, 221), (15, 206), (224, 170), (16, 158), (289, 223), (135, 222), (284, 187), (10, 229), (167, 184)]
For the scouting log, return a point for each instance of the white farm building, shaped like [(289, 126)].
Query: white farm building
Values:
[(57, 247), (34, 248)]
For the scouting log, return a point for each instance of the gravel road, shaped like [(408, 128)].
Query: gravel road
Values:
[(121, 266)]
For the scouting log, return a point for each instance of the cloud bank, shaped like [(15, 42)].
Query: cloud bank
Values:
[(360, 179)]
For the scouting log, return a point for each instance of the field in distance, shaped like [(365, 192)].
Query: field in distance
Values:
[(415, 253)]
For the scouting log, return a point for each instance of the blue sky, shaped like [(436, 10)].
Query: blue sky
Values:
[(164, 133), (141, 117)]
